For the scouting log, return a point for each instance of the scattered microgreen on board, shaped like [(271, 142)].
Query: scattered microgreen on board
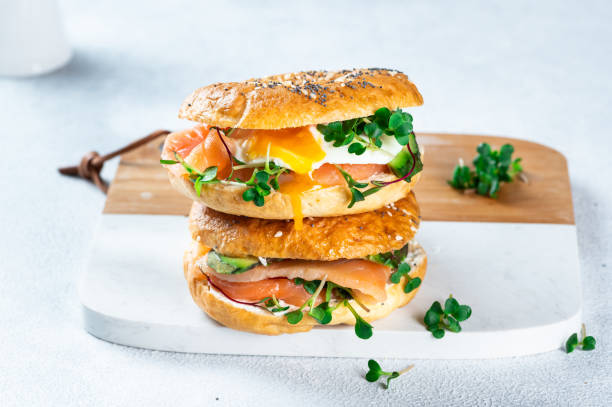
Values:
[(491, 168), (587, 342), (375, 372), (438, 319)]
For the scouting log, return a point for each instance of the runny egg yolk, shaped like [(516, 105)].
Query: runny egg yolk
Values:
[(299, 150), (296, 147), (294, 185)]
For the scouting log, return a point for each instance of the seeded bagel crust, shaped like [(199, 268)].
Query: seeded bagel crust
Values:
[(339, 237), (256, 320), (300, 98)]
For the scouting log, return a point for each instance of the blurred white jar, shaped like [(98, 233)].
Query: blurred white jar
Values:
[(32, 40)]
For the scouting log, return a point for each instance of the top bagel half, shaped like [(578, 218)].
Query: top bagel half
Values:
[(300, 98)]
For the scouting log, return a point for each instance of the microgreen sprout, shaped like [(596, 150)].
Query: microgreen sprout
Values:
[(401, 271), (395, 259), (262, 180), (412, 284), (376, 373), (362, 328), (296, 316), (261, 183), (367, 132), (272, 305), (351, 296), (208, 176), (309, 286), (587, 342), (322, 313), (391, 259), (492, 167), (354, 187), (438, 319)]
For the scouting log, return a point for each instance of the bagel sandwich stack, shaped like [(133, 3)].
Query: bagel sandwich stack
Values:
[(303, 209)]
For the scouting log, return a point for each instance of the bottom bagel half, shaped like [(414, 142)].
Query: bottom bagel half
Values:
[(253, 318)]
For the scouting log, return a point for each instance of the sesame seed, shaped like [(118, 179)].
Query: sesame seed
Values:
[(278, 234), (316, 86)]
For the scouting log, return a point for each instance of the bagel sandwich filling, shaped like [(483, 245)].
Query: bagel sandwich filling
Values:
[(303, 207), (356, 153), (293, 288)]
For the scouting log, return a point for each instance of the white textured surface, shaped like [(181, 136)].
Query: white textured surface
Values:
[(534, 70), (517, 268)]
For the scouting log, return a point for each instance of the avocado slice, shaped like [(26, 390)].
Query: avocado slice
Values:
[(230, 265), (402, 162)]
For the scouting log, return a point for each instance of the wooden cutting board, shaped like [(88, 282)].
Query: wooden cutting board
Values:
[(514, 260)]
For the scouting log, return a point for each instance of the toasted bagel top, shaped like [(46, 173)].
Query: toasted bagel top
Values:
[(300, 98)]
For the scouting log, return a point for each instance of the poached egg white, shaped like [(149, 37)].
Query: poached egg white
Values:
[(304, 150)]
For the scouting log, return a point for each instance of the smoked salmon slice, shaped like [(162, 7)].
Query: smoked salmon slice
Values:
[(201, 148), (365, 276), (281, 288), (186, 140)]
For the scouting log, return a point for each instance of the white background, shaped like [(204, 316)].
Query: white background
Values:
[(538, 71)]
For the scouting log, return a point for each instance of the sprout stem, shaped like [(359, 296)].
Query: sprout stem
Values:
[(366, 309), (406, 370)]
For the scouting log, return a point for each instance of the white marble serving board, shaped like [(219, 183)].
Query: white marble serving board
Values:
[(521, 280)]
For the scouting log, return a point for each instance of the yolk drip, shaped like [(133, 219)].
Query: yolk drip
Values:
[(296, 147), (299, 150), (293, 185)]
